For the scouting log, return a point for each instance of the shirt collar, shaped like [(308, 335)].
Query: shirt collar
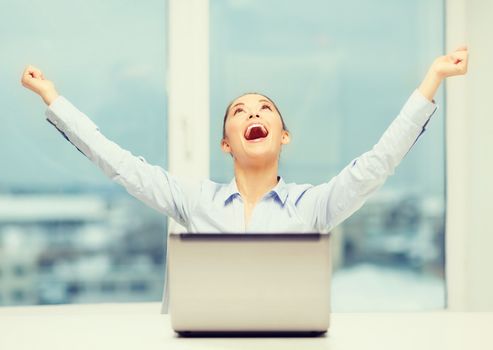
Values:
[(280, 190)]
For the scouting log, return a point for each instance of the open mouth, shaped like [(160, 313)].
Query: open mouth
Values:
[(256, 132)]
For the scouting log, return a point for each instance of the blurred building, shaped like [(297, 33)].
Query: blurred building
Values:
[(77, 248)]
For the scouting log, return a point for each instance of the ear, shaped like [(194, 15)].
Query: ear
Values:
[(285, 137), (226, 148)]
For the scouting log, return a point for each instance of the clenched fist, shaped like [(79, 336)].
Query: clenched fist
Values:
[(455, 63), (33, 79)]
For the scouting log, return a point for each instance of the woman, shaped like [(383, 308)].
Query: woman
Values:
[(256, 199)]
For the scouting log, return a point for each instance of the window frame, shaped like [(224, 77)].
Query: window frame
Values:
[(456, 153), (188, 91)]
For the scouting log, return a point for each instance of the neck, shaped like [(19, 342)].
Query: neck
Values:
[(254, 182)]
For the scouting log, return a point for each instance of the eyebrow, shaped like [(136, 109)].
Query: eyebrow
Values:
[(241, 103)]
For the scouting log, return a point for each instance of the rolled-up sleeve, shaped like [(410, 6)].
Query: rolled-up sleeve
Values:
[(151, 184), (328, 204)]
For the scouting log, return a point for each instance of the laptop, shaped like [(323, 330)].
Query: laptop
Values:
[(249, 283)]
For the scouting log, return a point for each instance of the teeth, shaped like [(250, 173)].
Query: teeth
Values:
[(249, 129)]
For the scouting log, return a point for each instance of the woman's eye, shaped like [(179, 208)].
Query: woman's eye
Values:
[(237, 110), (267, 107)]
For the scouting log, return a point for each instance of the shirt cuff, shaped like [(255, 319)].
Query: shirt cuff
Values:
[(418, 109), (66, 117), (53, 107)]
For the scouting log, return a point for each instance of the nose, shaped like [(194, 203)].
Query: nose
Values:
[(251, 116)]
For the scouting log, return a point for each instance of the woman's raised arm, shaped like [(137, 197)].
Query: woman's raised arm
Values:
[(328, 204), (150, 184)]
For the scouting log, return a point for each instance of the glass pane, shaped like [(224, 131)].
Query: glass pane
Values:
[(68, 234), (340, 72)]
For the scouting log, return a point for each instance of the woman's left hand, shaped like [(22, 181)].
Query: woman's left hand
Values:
[(454, 63)]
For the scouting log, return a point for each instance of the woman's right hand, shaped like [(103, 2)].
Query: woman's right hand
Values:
[(33, 79)]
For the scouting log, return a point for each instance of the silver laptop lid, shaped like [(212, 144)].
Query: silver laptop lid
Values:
[(249, 282)]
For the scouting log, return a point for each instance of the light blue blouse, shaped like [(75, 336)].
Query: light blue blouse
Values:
[(207, 206)]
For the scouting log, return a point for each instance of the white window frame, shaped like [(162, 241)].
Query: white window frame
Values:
[(188, 91), (457, 152)]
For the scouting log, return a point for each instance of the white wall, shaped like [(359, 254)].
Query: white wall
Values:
[(470, 160)]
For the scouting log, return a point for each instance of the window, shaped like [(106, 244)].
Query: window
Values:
[(19, 270), (340, 72), (338, 77), (138, 286), (61, 212), (18, 295)]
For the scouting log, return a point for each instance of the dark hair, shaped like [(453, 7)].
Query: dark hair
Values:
[(250, 93)]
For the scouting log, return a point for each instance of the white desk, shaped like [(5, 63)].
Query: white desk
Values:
[(141, 326)]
